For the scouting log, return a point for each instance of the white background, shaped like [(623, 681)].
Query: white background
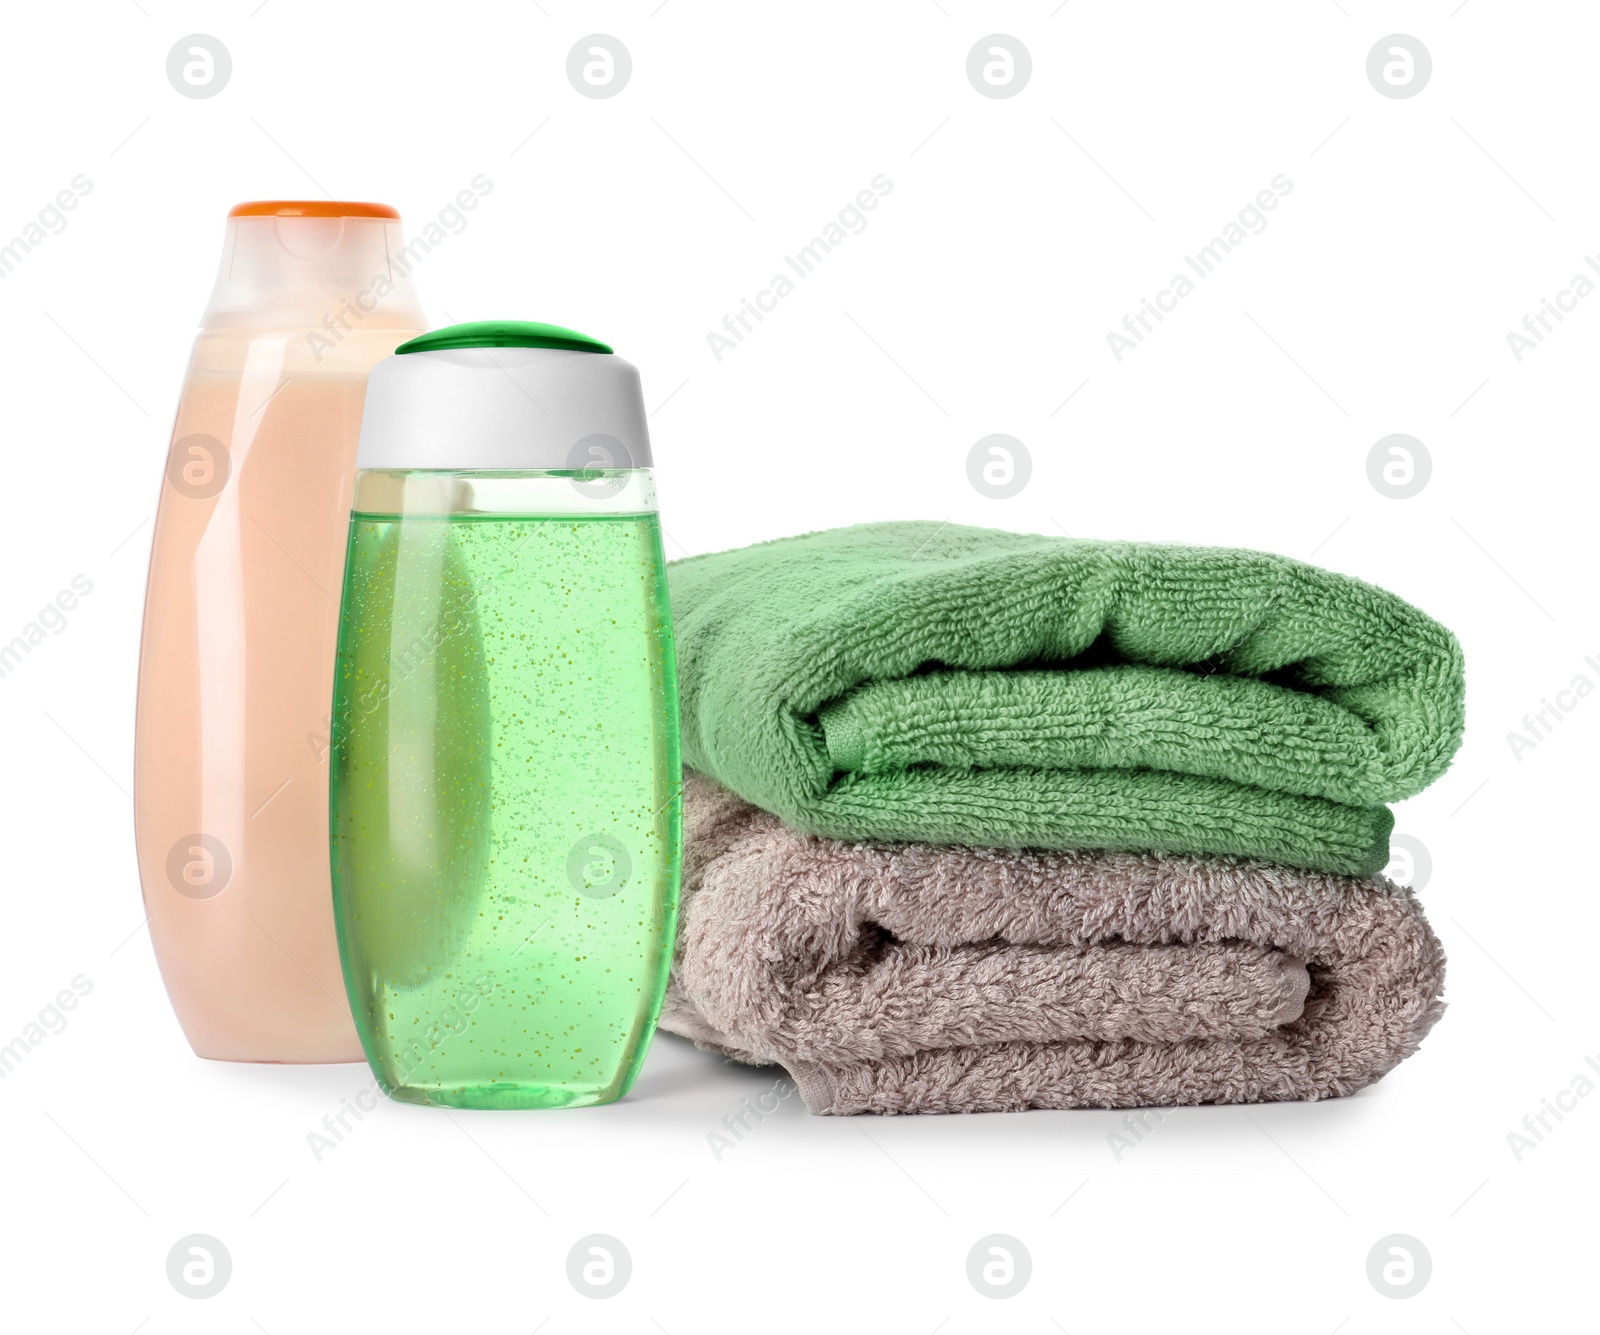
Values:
[(1018, 232)]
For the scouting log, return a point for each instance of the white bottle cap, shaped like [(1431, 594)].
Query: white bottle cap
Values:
[(314, 264), (503, 395)]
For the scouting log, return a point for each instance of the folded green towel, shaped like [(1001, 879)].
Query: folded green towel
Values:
[(929, 682)]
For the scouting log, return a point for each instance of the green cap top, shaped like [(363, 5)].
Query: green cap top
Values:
[(503, 334)]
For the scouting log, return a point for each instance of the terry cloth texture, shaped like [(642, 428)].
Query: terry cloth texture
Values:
[(909, 978), (921, 681)]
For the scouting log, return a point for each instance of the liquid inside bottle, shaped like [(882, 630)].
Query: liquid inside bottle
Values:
[(505, 816)]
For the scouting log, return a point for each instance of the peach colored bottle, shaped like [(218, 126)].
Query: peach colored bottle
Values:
[(241, 620)]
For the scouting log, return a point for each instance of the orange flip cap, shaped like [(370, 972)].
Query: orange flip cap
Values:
[(310, 208)]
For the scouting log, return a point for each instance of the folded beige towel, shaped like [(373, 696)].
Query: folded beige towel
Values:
[(898, 978)]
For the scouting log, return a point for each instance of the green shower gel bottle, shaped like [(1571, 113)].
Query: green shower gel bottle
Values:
[(505, 814)]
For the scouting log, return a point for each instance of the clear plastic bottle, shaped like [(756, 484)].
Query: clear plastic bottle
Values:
[(505, 820), (241, 615)]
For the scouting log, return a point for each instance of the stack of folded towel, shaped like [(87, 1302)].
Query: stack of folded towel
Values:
[(980, 821)]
